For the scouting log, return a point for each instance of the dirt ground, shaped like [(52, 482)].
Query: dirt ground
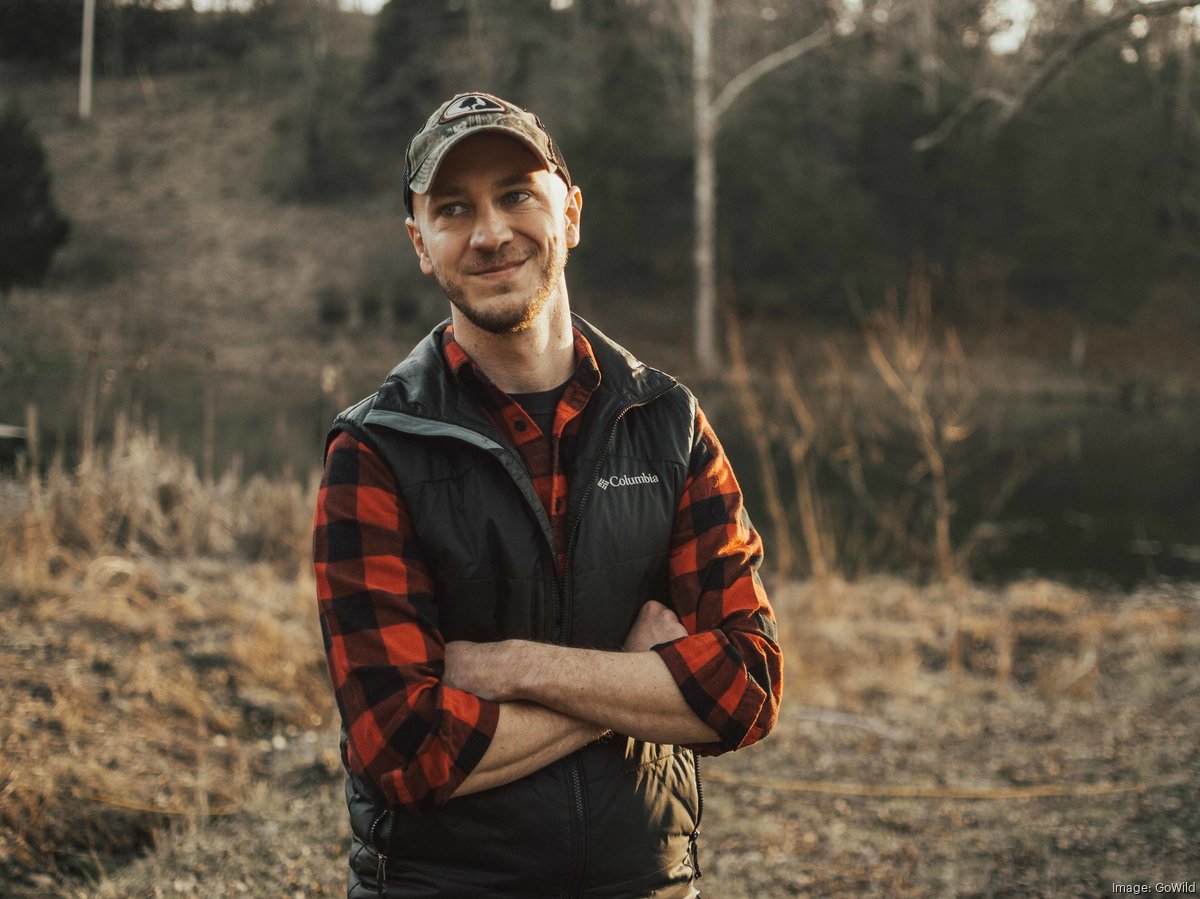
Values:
[(937, 741)]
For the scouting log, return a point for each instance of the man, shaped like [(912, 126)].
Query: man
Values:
[(537, 582)]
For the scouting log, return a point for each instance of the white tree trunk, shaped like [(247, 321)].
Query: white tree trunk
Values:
[(85, 59), (927, 42), (1185, 35), (1182, 138), (707, 352)]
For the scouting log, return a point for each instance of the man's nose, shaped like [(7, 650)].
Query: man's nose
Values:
[(491, 230)]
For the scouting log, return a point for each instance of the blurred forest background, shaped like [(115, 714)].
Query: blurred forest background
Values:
[(945, 320)]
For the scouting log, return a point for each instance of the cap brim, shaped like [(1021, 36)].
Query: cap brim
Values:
[(422, 178)]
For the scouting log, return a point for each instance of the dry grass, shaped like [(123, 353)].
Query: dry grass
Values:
[(157, 631), (1055, 757), (165, 688), (877, 450), (861, 789), (143, 499), (853, 642)]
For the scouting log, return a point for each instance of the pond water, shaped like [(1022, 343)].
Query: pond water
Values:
[(1103, 495), (1106, 495), (267, 424), (1112, 492)]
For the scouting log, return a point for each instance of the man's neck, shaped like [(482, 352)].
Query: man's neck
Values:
[(538, 358)]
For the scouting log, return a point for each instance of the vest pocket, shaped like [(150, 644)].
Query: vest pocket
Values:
[(642, 812), (609, 593)]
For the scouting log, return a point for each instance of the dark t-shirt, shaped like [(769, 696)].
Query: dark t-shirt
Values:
[(541, 407)]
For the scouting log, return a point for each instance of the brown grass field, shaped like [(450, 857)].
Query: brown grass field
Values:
[(168, 729)]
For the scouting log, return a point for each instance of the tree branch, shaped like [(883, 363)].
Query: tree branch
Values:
[(769, 63), (1064, 54), (1059, 59), (965, 108)]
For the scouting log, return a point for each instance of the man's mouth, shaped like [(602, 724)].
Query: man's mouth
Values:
[(498, 270)]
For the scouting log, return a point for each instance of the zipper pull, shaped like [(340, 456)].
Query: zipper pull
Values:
[(694, 848), (380, 871)]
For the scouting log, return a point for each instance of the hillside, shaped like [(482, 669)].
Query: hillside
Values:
[(192, 248), (182, 236)]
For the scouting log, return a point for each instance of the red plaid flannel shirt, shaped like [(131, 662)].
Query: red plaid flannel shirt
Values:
[(418, 739)]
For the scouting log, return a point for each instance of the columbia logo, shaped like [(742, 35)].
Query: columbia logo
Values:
[(627, 480)]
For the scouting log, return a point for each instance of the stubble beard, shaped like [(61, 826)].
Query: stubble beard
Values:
[(512, 316)]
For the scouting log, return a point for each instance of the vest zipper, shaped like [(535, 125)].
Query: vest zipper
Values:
[(576, 887), (380, 855), (694, 839), (562, 628), (564, 595)]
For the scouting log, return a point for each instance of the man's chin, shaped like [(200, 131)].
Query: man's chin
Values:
[(500, 317)]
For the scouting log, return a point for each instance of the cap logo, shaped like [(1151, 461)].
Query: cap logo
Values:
[(472, 105)]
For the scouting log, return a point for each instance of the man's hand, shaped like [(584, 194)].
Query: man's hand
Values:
[(655, 624)]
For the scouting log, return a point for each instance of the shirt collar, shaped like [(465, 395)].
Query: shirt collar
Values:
[(471, 376)]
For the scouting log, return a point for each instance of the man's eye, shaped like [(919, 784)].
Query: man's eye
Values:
[(514, 197), (450, 210)]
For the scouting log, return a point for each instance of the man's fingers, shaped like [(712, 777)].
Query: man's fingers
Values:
[(656, 623)]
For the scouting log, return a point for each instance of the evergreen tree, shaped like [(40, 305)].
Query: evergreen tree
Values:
[(631, 152), (42, 33), (416, 45), (1092, 153), (794, 223), (31, 227), (427, 50)]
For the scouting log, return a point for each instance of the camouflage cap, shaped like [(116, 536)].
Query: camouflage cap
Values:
[(467, 114)]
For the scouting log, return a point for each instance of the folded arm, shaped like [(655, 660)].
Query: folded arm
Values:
[(527, 737), (418, 739), (729, 667), (630, 692), (711, 680)]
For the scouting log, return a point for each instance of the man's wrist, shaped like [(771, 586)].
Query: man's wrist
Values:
[(522, 661)]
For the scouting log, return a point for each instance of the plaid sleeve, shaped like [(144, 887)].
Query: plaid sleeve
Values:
[(729, 667), (410, 735)]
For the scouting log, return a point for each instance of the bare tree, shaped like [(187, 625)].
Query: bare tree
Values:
[(708, 111)]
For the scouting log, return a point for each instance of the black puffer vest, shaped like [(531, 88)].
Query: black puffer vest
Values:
[(619, 817)]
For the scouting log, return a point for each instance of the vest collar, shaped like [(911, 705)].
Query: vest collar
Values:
[(422, 384)]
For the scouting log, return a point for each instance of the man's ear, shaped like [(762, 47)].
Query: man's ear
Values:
[(418, 242), (573, 212)]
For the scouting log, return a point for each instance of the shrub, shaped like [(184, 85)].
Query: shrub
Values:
[(370, 309), (31, 227), (333, 309)]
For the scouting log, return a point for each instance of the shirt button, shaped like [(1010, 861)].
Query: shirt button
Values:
[(519, 424), (558, 505)]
